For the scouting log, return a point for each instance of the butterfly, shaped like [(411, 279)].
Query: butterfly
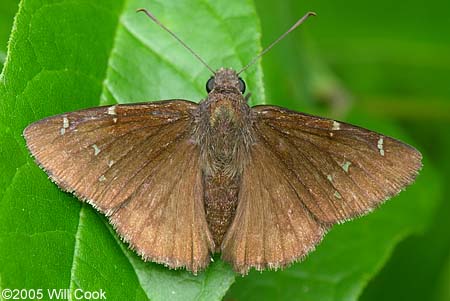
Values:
[(180, 181)]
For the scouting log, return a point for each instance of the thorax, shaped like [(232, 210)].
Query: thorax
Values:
[(223, 132)]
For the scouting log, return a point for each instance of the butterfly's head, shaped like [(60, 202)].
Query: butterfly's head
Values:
[(225, 81), (225, 107)]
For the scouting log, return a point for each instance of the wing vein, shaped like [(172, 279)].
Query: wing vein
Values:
[(146, 163), (331, 154), (298, 178)]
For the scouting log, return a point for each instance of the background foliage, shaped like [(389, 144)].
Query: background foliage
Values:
[(381, 65)]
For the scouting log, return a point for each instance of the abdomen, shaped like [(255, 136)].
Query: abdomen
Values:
[(220, 199)]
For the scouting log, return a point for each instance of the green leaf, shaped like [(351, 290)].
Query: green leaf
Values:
[(7, 10), (67, 55)]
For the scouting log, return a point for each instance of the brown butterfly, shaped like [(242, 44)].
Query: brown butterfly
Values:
[(180, 181)]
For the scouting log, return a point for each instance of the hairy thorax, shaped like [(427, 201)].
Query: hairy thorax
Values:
[(223, 134)]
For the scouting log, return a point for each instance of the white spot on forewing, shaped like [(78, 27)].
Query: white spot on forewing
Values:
[(96, 149), (330, 178), (102, 178), (115, 120), (65, 122), (65, 125), (112, 110), (346, 166), (380, 146), (110, 163), (336, 126), (337, 195)]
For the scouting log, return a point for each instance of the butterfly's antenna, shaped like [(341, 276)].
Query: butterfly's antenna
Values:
[(151, 16), (298, 23)]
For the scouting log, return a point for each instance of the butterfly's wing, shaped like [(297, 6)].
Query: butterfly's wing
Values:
[(137, 164), (304, 174), (271, 227)]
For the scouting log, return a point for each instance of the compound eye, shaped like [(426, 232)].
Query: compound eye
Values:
[(241, 85), (210, 84)]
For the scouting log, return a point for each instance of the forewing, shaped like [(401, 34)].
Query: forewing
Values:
[(272, 227), (339, 171), (137, 164)]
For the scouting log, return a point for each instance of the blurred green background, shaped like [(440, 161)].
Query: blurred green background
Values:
[(389, 61)]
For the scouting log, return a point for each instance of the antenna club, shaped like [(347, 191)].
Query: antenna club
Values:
[(311, 13), (142, 10)]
